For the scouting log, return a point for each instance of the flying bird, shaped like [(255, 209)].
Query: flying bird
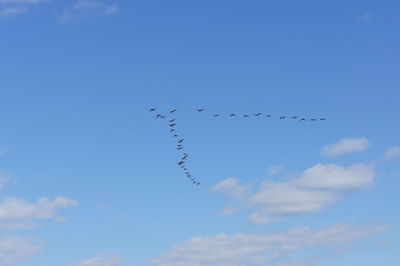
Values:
[(152, 109), (244, 116), (175, 136), (294, 117), (322, 119), (257, 114), (172, 125), (313, 119), (303, 119), (268, 116), (200, 109), (282, 117), (172, 120), (172, 130), (232, 115), (172, 111), (180, 141), (216, 115)]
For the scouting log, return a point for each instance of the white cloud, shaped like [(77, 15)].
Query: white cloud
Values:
[(315, 189), (346, 146), (275, 169), (256, 249), (332, 176), (89, 8), (104, 259), (231, 187), (19, 214), (392, 153), (287, 198), (16, 249)]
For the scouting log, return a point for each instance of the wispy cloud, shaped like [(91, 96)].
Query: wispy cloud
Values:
[(22, 1), (312, 191), (17, 249), (350, 145), (82, 9), (16, 214), (257, 249), (392, 153), (366, 17), (104, 259), (3, 152), (7, 13), (275, 169)]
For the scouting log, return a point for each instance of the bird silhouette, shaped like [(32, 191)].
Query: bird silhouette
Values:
[(294, 117), (322, 119), (175, 136), (152, 109), (180, 141), (268, 116), (232, 115), (172, 130), (303, 119), (245, 116), (200, 109), (216, 115), (172, 125), (172, 120), (282, 117), (313, 119), (172, 111), (257, 114)]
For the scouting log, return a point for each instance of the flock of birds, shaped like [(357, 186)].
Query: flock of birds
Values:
[(179, 139)]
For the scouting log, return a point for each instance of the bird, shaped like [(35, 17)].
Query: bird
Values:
[(181, 162), (172, 120), (313, 119), (294, 117), (158, 115), (175, 136), (268, 116), (162, 116), (322, 119), (172, 125), (172, 111), (172, 130), (232, 115), (152, 109), (257, 114), (216, 115), (200, 109), (282, 117), (303, 119), (245, 116), (180, 141)]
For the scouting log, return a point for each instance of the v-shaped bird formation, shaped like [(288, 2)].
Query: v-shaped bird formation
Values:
[(180, 140)]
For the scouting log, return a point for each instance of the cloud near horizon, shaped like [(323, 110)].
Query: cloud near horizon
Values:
[(275, 248)]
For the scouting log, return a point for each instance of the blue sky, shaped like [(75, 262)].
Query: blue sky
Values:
[(88, 176)]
